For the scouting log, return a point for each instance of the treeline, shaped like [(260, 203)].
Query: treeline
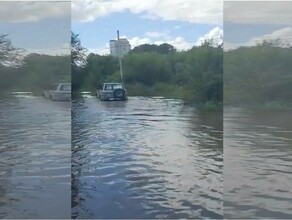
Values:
[(36, 73), (259, 75), (33, 72), (196, 75)]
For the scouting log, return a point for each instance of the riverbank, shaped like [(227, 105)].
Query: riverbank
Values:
[(165, 91), (269, 106), (172, 92)]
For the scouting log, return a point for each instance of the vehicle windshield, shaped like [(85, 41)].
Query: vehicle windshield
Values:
[(113, 86), (118, 86)]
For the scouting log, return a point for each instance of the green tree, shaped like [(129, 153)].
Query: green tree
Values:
[(78, 61), (195, 75), (163, 48), (78, 52), (146, 68), (258, 74), (10, 55)]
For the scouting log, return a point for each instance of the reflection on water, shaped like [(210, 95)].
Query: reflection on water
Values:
[(145, 158), (257, 164), (35, 145)]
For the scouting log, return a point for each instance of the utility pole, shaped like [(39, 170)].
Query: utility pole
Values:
[(119, 55), (121, 69)]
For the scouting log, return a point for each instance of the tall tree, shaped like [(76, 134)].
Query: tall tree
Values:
[(10, 55), (78, 52), (78, 61), (162, 49)]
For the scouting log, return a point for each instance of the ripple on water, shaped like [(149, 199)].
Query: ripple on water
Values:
[(140, 159), (257, 164), (35, 158)]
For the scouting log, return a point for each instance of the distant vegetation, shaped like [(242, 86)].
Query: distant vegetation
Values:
[(259, 75), (194, 76), (37, 73), (31, 73)]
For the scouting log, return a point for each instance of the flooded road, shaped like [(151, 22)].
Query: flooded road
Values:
[(35, 151), (257, 164), (145, 158)]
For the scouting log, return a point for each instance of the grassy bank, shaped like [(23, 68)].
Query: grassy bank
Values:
[(172, 92)]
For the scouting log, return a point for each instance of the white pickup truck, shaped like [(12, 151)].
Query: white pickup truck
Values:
[(58, 92)]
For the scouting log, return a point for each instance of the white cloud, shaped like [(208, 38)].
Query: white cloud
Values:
[(101, 51), (64, 49), (51, 52), (178, 42), (258, 12), (194, 11), (284, 35), (136, 41), (32, 11), (216, 34)]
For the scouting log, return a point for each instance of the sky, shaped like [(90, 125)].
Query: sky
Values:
[(182, 23), (40, 27), (45, 26), (249, 22)]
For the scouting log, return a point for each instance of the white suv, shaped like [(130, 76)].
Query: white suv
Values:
[(59, 92), (112, 91)]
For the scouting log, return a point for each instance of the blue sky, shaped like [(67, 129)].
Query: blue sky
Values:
[(97, 33), (243, 32), (249, 22), (182, 24), (45, 34), (42, 27)]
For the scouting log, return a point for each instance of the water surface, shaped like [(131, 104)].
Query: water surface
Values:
[(145, 158), (257, 164), (35, 152)]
